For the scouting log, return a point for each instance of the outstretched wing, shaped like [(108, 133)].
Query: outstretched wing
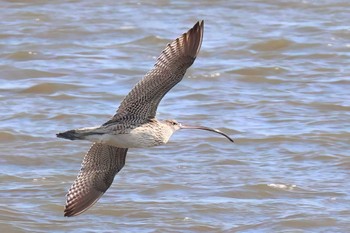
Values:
[(141, 103), (99, 167)]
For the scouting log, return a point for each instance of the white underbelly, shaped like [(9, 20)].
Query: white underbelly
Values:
[(136, 138)]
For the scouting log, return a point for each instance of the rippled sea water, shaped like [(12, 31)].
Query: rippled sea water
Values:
[(273, 74)]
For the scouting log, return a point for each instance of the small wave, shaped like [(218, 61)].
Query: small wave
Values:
[(260, 79), (6, 136), (259, 71), (8, 35), (275, 138), (62, 97), (282, 186), (330, 107), (228, 162), (64, 116), (149, 40), (17, 73), (48, 88), (195, 96), (119, 71), (344, 163), (24, 56), (274, 44)]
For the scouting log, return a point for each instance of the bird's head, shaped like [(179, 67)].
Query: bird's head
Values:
[(174, 125)]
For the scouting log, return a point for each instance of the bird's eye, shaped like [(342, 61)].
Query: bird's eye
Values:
[(174, 123)]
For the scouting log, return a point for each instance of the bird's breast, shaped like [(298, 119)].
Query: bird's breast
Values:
[(139, 137)]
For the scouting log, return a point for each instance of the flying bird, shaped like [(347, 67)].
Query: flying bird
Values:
[(134, 125)]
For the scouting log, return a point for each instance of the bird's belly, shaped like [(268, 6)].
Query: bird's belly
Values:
[(136, 138)]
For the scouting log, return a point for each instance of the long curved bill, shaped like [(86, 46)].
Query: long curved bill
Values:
[(206, 128)]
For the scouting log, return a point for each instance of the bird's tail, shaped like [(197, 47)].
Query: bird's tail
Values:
[(79, 134)]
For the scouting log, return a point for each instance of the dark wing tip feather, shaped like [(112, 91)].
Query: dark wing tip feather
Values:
[(182, 51), (100, 165), (193, 39), (142, 101), (80, 204), (189, 42)]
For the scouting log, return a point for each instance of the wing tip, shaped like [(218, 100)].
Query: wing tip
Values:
[(194, 38), (92, 182), (80, 206)]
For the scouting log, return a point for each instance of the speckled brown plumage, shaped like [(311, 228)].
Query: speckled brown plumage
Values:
[(141, 103), (99, 167), (102, 162)]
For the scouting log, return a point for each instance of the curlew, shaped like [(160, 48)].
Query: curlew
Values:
[(134, 125)]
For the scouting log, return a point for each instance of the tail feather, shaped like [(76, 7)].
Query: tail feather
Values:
[(81, 133), (70, 134)]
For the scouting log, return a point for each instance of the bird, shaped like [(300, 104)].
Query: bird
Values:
[(134, 124)]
